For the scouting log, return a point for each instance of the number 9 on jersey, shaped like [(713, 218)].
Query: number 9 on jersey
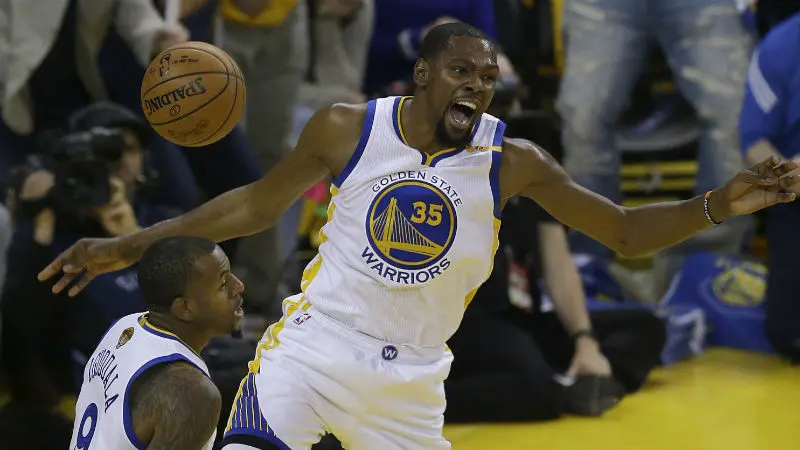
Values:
[(86, 430)]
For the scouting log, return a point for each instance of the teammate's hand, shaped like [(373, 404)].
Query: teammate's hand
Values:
[(761, 186), (588, 360), (85, 260)]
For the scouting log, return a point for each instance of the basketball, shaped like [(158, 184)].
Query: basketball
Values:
[(193, 94)]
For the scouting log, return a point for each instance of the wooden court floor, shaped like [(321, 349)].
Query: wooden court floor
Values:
[(723, 400)]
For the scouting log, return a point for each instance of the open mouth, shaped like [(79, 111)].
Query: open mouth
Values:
[(239, 312), (462, 112)]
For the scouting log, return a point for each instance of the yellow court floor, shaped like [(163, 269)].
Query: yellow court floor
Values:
[(723, 400)]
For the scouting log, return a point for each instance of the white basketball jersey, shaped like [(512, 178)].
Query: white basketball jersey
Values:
[(130, 346), (410, 237)]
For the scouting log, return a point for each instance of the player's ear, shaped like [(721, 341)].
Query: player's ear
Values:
[(421, 71), (183, 309)]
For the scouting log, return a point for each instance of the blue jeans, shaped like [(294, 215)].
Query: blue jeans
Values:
[(608, 43)]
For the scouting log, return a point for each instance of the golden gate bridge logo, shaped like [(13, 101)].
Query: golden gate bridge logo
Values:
[(394, 232), (411, 224)]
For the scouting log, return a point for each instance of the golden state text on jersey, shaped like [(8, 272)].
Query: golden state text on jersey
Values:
[(411, 224)]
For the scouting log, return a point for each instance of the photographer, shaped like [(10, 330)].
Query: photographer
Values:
[(87, 183)]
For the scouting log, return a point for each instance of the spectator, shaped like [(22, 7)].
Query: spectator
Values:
[(770, 125), (607, 42), (539, 365), (339, 34), (269, 40), (123, 72), (192, 173), (769, 13), (400, 28), (40, 330), (49, 53)]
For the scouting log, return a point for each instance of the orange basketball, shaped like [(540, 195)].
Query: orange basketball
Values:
[(193, 94)]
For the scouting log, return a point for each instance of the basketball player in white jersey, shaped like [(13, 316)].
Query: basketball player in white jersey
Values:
[(418, 187), (145, 386)]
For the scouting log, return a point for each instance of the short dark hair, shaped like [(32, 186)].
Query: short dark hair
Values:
[(438, 38), (168, 266)]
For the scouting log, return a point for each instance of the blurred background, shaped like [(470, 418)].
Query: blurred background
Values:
[(641, 100)]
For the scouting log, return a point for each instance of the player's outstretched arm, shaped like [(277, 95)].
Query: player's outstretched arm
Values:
[(530, 171), (175, 408), (323, 145)]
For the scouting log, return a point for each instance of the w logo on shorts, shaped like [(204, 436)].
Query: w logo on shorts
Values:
[(389, 352)]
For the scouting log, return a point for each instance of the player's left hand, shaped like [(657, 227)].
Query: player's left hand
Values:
[(759, 187), (589, 360)]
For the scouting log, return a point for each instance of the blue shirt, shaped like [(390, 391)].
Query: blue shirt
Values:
[(398, 25), (771, 108)]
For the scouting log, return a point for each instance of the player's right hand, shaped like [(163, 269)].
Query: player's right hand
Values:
[(85, 260)]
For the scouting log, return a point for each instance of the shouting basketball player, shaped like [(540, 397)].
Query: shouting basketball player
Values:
[(145, 385), (418, 187)]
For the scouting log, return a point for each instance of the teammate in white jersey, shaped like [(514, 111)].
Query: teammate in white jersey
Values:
[(418, 187), (145, 386)]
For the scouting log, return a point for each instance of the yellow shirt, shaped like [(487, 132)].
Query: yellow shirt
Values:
[(274, 14)]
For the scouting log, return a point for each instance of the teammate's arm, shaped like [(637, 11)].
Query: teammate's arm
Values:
[(325, 145), (176, 408), (529, 170)]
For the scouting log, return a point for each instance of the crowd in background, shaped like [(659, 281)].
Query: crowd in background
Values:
[(610, 85)]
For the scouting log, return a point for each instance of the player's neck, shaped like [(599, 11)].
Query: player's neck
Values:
[(420, 134), (185, 332)]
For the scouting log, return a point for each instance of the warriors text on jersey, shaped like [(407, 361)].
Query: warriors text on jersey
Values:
[(410, 237), (130, 347)]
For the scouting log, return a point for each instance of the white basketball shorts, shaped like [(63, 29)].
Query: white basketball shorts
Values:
[(312, 376)]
